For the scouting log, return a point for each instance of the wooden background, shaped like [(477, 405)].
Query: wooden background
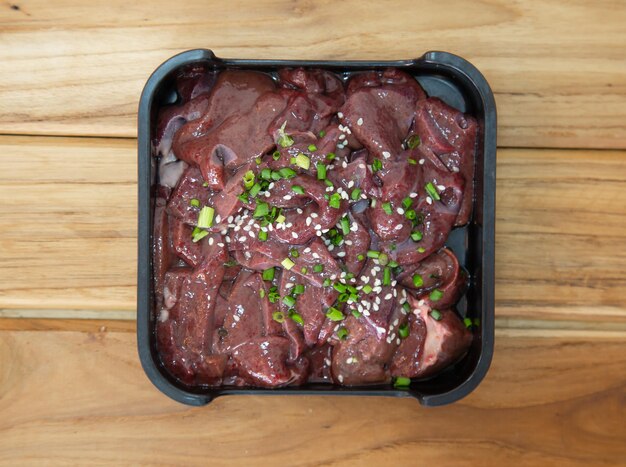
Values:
[(71, 387)]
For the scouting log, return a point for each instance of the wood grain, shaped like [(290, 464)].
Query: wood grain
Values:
[(558, 67), (560, 243), (91, 404)]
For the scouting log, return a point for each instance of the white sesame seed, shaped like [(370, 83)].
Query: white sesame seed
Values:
[(455, 169), (236, 317), (227, 239), (316, 256), (413, 195), (359, 121), (339, 114), (299, 211), (341, 254), (341, 127), (388, 297), (441, 187), (333, 277), (294, 235), (354, 227), (318, 233), (386, 154), (348, 242), (398, 227), (396, 321), (421, 162), (344, 195), (237, 228), (224, 232), (247, 228), (420, 303), (400, 211), (218, 219), (230, 219), (342, 136), (429, 200), (388, 340), (366, 313), (340, 377), (317, 227), (287, 197), (350, 183), (377, 300), (220, 244), (378, 289), (251, 234), (314, 215), (242, 239), (307, 250), (211, 240), (375, 306), (393, 336), (267, 194), (270, 186), (331, 247), (398, 341), (393, 284), (290, 225)]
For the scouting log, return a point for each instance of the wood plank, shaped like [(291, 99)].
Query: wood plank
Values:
[(560, 243), (64, 324), (91, 404), (558, 67)]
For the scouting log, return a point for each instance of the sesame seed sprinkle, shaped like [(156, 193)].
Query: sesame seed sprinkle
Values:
[(429, 200), (421, 162), (386, 154), (359, 121)]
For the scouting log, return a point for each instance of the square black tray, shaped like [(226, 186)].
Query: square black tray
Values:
[(441, 74)]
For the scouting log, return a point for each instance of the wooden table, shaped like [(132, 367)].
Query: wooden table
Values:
[(71, 387)]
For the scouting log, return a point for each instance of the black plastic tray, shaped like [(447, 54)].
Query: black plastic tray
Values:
[(441, 74)]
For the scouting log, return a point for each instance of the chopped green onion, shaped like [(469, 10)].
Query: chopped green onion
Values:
[(334, 314), (393, 264), (194, 202), (266, 174), (268, 274), (283, 138), (360, 257), (418, 280), (343, 297), (262, 236), (435, 314), (367, 288), (393, 247), (243, 197), (387, 208), (383, 259), (205, 184), (413, 142), (345, 225), (318, 268), (412, 161), (432, 191), (401, 382), (403, 331), (406, 307), (376, 165), (248, 179), (321, 171), (335, 201), (276, 155), (339, 287), (273, 296), (342, 333), (322, 133), (406, 202), (330, 156), (303, 161), (296, 317), (477, 322), (198, 234), (304, 270), (286, 172), (287, 263), (280, 219), (416, 236), (421, 249), (373, 254), (312, 147), (387, 276), (205, 218), (278, 316), (328, 183), (436, 295), (261, 210), (356, 193), (294, 253), (326, 282), (276, 175), (258, 161), (262, 293), (289, 300), (355, 313), (292, 160), (297, 189), (467, 322), (256, 188)]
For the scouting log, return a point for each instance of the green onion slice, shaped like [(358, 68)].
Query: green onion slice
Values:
[(205, 218)]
